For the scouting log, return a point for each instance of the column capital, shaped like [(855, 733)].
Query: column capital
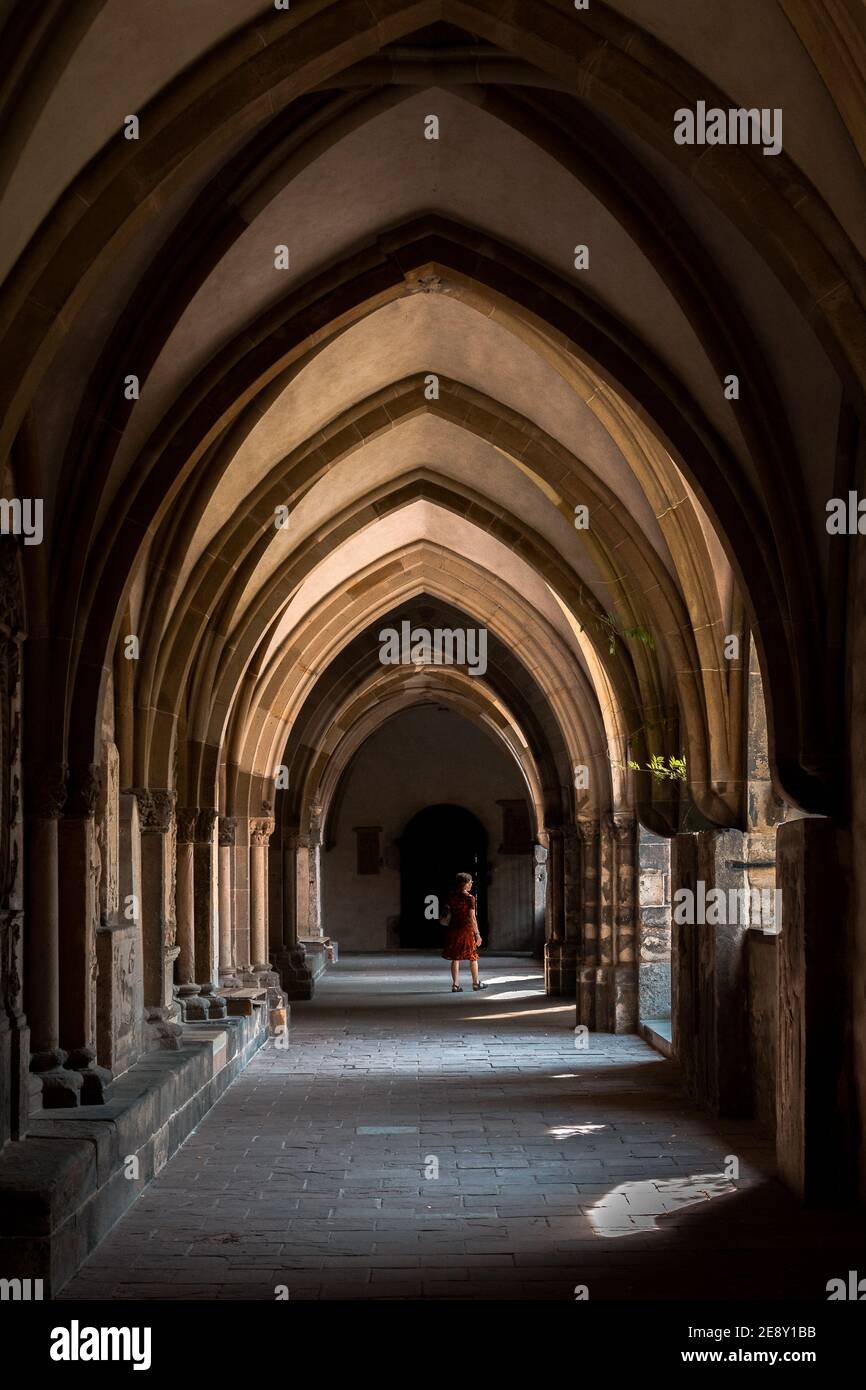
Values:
[(228, 828), (185, 817), (588, 830), (155, 807), (261, 831), (623, 828), (84, 787), (205, 821), (46, 789)]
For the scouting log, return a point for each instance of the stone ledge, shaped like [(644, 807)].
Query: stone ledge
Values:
[(64, 1186), (657, 1032)]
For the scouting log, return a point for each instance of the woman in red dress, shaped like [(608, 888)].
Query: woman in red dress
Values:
[(462, 937)]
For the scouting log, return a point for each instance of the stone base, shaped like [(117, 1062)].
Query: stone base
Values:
[(194, 1007), (95, 1080), (316, 950), (296, 977), (65, 1185), (162, 1029), (61, 1087), (607, 998), (560, 969)]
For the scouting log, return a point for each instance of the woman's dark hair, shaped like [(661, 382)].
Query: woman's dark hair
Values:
[(463, 878)]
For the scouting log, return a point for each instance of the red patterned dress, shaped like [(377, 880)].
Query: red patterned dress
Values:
[(461, 930)]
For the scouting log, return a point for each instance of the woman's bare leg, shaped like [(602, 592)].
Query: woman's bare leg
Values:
[(455, 972), (473, 966)]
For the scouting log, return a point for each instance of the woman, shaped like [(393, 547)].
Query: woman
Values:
[(462, 937)]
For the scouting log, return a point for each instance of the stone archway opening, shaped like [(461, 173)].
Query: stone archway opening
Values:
[(437, 844)]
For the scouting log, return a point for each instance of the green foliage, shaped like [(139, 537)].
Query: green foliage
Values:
[(661, 769), (610, 628)]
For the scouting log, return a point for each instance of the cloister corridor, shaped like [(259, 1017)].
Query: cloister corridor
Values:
[(433, 528), (557, 1167)]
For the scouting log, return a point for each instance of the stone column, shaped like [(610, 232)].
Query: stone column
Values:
[(561, 950), (260, 834), (587, 965), (624, 992), (815, 1120), (227, 972), (19, 1089), (241, 901), (193, 1006), (206, 912), (539, 898), (296, 977), (80, 871), (607, 959), (158, 923), (710, 969), (46, 793), (120, 1018)]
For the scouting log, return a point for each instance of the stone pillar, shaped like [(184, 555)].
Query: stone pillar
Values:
[(815, 1137), (539, 899), (624, 991), (80, 872), (307, 885), (120, 1017), (241, 900), (227, 972), (607, 954), (260, 834), (46, 793), (562, 950), (192, 1004), (206, 912), (15, 1078), (296, 977), (710, 973), (158, 923)]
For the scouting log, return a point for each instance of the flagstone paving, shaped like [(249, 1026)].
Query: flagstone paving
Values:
[(415, 1144)]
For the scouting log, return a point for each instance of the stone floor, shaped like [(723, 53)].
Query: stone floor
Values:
[(412, 1143)]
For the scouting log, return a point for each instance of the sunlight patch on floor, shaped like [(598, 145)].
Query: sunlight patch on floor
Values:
[(635, 1207)]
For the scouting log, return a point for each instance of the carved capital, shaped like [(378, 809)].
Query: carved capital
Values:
[(588, 831), (623, 829), (205, 821), (261, 832), (46, 789), (155, 808), (228, 826), (85, 786), (186, 817)]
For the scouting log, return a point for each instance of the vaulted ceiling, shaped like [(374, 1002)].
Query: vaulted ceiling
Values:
[(428, 383)]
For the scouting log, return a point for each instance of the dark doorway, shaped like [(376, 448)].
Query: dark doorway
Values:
[(437, 844)]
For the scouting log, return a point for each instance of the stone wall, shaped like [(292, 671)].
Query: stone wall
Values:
[(399, 771), (654, 925)]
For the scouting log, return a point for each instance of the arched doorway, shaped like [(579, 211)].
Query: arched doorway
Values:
[(438, 843)]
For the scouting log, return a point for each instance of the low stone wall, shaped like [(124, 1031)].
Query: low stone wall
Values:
[(64, 1186)]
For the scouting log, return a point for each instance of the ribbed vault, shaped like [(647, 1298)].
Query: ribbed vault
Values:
[(287, 372)]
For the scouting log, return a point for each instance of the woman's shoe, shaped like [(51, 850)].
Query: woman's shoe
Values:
[(458, 989), (480, 985)]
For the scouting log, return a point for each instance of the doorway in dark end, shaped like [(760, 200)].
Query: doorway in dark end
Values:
[(437, 844)]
